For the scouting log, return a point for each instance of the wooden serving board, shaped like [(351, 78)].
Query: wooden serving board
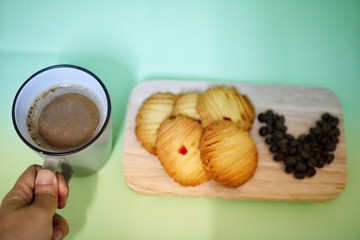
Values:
[(301, 106)]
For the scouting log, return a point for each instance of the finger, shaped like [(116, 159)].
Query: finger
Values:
[(46, 191), (22, 193), (63, 191), (60, 227)]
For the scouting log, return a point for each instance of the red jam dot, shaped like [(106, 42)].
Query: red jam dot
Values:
[(183, 150), (227, 118)]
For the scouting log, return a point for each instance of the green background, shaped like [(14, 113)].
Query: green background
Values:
[(307, 43)]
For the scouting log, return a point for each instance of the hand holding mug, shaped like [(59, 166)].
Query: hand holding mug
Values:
[(28, 211)]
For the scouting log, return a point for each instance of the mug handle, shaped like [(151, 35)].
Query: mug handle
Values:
[(52, 163)]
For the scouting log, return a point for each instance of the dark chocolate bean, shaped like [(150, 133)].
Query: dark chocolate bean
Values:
[(261, 117), (304, 154), (301, 137), (307, 147), (278, 134), (329, 158), (263, 131), (319, 123), (274, 148), (326, 127), (323, 140), (269, 121), (269, 140), (317, 156), (270, 129), (269, 113), (310, 172), (293, 143), (325, 116), (299, 175), (301, 167), (324, 153), (334, 122), (283, 129), (310, 138), (332, 133), (289, 169), (337, 132), (335, 140), (282, 119), (320, 163), (316, 130), (282, 143), (279, 157), (292, 151), (289, 136), (330, 146), (311, 163), (298, 158), (278, 124), (290, 161)]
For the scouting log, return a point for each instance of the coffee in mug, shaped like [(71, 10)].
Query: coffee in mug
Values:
[(63, 118)]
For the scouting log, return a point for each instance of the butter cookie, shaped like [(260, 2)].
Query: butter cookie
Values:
[(152, 113), (185, 105), (225, 103), (177, 148), (228, 153)]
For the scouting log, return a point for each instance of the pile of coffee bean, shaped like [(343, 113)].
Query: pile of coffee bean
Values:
[(301, 155)]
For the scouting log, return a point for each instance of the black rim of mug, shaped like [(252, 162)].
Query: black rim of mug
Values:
[(64, 153)]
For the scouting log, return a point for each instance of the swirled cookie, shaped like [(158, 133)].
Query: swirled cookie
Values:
[(228, 153), (225, 103), (177, 148), (152, 113), (185, 105)]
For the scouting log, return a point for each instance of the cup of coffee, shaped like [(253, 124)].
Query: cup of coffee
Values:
[(63, 112)]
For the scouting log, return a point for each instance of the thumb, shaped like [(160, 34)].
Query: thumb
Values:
[(46, 191)]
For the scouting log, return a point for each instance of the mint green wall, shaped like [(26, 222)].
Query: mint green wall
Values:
[(311, 43)]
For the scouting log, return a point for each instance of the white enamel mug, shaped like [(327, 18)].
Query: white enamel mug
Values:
[(85, 159)]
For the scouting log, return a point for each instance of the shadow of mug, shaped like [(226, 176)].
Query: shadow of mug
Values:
[(82, 193)]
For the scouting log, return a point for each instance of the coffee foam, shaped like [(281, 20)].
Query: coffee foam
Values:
[(45, 98)]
